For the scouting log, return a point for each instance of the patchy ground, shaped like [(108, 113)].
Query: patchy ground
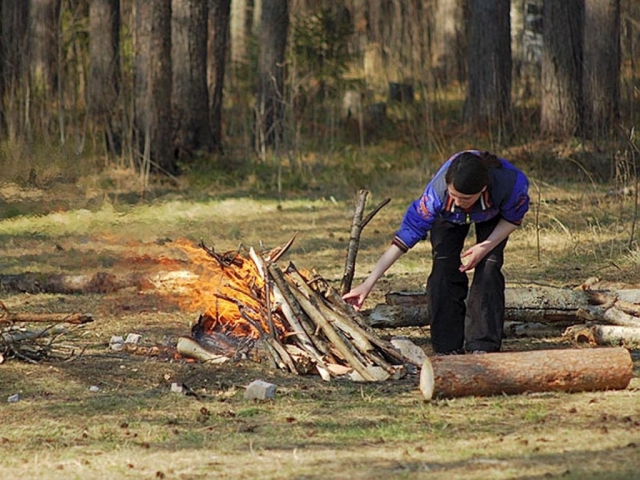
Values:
[(102, 413)]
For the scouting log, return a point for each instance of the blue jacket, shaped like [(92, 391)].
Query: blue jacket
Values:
[(507, 196)]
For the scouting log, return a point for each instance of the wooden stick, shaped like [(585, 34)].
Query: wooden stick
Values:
[(298, 319), (343, 323), (72, 318), (332, 335), (354, 242), (357, 226), (337, 301), (271, 272)]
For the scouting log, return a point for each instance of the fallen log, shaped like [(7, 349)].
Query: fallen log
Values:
[(71, 318), (522, 304), (572, 370), (604, 334)]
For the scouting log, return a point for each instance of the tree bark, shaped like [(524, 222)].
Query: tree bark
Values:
[(274, 25), (572, 370), (152, 84), (218, 45), (43, 38), (189, 97), (104, 71), (562, 97), (489, 93), (354, 242), (601, 74), (450, 41), (540, 304)]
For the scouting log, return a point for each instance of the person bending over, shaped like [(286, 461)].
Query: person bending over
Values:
[(470, 187)]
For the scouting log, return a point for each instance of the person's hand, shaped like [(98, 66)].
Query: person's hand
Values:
[(357, 296), (473, 255)]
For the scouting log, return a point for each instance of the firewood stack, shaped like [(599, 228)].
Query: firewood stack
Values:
[(297, 317)]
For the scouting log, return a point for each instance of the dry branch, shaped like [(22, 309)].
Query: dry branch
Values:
[(357, 225)]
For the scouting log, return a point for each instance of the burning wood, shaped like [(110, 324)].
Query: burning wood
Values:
[(295, 316)]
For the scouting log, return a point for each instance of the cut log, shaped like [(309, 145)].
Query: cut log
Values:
[(571, 370), (188, 347), (522, 304), (604, 334)]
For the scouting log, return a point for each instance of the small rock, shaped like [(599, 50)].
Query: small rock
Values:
[(94, 388), (133, 338), (116, 343), (260, 390), (14, 398), (409, 349), (177, 387)]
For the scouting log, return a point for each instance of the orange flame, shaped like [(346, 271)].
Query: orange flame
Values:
[(230, 291)]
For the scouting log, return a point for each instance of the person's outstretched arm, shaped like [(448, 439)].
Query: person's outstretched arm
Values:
[(358, 295)]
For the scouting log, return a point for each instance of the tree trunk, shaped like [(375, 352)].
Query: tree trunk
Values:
[(573, 370), (489, 93), (562, 98), (152, 84), (43, 37), (44, 60), (104, 71), (190, 97), (218, 45), (268, 128), (241, 25), (601, 74), (450, 42), (14, 46)]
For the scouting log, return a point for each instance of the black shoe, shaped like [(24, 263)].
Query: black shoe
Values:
[(458, 351)]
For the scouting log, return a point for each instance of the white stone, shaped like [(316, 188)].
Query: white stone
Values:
[(260, 390), (409, 349), (133, 338)]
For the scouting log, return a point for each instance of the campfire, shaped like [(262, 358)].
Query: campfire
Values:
[(249, 301)]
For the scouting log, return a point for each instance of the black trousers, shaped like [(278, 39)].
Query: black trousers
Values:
[(472, 319)]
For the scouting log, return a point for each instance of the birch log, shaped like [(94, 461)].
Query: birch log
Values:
[(570, 370)]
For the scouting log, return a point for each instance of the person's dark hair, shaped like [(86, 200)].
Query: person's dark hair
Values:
[(469, 172)]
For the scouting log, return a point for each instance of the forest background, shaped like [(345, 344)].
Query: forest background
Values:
[(126, 124)]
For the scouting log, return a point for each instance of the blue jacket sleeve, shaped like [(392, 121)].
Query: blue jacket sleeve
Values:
[(517, 205), (418, 219)]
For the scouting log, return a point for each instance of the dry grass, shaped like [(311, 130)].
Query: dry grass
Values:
[(134, 427)]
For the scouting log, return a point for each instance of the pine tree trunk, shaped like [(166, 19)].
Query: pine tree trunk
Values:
[(104, 71), (218, 45), (601, 75), (449, 45), (190, 98), (489, 93), (562, 98), (271, 69), (152, 83), (14, 46)]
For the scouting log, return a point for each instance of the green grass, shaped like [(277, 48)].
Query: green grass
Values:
[(135, 427)]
